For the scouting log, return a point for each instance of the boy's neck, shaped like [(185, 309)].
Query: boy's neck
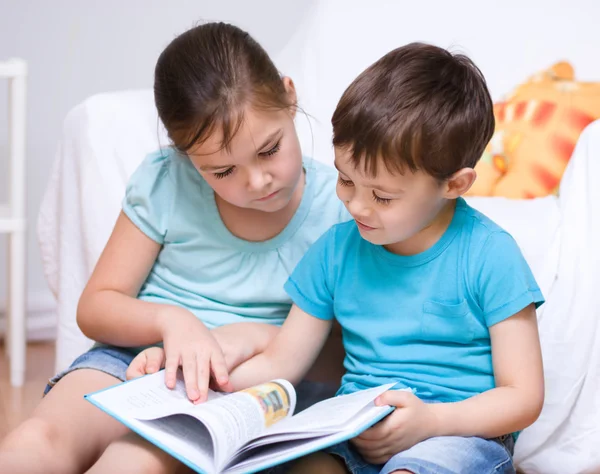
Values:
[(428, 236)]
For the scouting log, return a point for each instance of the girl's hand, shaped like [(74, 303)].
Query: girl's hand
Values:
[(411, 423), (189, 344), (149, 361)]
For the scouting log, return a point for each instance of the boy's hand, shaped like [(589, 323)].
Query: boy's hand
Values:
[(411, 423), (241, 341), (149, 361), (190, 344)]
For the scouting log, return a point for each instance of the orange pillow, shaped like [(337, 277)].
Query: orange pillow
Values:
[(537, 127)]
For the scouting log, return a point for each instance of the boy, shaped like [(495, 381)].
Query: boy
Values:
[(430, 293)]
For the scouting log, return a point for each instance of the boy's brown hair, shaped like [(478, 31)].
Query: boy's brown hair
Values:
[(418, 107)]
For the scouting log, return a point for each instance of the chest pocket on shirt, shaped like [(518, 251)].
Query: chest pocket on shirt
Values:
[(445, 322)]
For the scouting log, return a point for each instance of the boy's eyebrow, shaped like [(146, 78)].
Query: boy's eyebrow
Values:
[(379, 188), (268, 140), (388, 191)]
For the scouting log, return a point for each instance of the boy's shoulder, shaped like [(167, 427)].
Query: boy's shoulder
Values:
[(342, 236), (480, 227)]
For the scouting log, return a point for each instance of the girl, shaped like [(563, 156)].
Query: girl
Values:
[(210, 230)]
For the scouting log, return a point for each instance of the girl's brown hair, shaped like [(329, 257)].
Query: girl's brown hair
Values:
[(204, 79)]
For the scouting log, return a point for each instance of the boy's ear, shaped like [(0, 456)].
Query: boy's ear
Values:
[(292, 97), (460, 182)]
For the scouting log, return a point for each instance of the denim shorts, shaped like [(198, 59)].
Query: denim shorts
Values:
[(441, 455), (115, 361)]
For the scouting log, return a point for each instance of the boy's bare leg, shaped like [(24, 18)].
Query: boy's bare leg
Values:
[(66, 434), (133, 454), (319, 463)]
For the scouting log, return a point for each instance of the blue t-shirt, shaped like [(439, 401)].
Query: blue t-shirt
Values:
[(421, 321), (202, 266)]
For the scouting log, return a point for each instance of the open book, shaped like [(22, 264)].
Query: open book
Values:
[(241, 432)]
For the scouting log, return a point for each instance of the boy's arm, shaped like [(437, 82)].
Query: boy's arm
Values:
[(517, 400), (290, 354), (242, 341), (513, 405)]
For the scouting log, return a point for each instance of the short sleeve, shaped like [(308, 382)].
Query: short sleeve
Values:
[(311, 286), (503, 281), (149, 196)]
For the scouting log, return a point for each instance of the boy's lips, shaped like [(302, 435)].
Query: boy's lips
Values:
[(363, 226)]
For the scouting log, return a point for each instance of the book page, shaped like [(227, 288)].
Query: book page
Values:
[(239, 417), (215, 429), (231, 420), (328, 414), (148, 397), (286, 446), (162, 417)]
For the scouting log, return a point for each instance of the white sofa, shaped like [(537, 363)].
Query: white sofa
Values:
[(106, 137)]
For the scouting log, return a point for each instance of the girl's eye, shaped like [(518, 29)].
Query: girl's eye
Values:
[(223, 174), (380, 200), (344, 182), (273, 150)]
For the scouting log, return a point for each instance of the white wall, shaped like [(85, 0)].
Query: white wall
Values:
[(77, 48)]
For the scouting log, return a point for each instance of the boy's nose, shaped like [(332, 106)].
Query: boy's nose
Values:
[(356, 208)]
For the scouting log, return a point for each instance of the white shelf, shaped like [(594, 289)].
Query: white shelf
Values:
[(9, 223), (12, 219), (13, 68)]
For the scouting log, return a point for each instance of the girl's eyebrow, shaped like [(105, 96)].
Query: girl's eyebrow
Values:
[(268, 140), (212, 168)]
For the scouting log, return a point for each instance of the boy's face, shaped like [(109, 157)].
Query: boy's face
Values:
[(388, 208)]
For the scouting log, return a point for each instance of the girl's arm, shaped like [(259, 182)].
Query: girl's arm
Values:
[(290, 354), (108, 309), (517, 400), (110, 312)]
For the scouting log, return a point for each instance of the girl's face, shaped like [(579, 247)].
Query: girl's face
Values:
[(263, 166)]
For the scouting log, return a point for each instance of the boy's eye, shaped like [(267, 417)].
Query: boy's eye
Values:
[(344, 182), (380, 200), (273, 150), (223, 174)]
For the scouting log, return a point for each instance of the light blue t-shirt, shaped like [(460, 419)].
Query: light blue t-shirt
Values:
[(421, 321), (202, 266)]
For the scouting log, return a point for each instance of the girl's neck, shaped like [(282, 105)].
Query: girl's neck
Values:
[(257, 226)]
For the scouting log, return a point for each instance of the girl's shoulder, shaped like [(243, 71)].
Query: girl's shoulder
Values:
[(326, 205), (164, 169), (161, 180)]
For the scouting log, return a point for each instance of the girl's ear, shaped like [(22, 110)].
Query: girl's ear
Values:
[(292, 97)]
